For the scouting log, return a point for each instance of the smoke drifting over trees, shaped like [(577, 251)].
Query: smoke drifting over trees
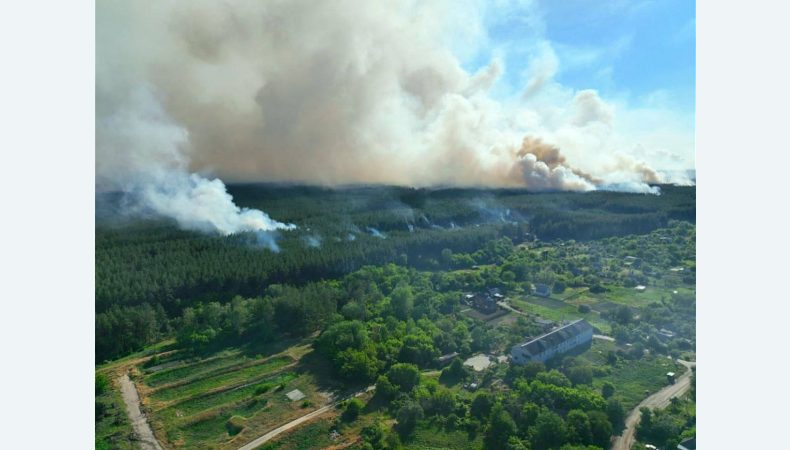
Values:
[(323, 93)]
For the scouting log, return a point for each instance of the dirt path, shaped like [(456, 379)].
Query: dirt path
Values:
[(603, 337), (140, 424), (512, 309), (658, 400), (296, 422)]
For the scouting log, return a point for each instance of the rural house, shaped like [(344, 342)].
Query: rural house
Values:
[(484, 303), (553, 343), (542, 290)]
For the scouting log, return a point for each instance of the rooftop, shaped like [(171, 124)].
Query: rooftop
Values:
[(555, 337), (447, 357), (295, 395), (688, 444)]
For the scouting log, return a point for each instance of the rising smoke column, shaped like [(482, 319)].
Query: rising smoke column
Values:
[(322, 92), (147, 161)]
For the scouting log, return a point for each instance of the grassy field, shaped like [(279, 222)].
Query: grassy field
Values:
[(318, 433), (631, 378), (566, 312), (629, 296), (315, 434)]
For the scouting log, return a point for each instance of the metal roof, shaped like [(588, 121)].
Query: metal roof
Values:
[(555, 337)]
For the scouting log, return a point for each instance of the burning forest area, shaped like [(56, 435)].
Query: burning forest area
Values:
[(398, 225)]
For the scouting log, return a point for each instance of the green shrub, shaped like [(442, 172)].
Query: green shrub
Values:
[(262, 389), (235, 424), (102, 383), (153, 361), (353, 409)]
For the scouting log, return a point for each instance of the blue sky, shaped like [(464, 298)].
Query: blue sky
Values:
[(629, 49)]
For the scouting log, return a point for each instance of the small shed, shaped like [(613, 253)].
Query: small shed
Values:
[(295, 395)]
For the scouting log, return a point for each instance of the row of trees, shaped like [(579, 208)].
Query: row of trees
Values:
[(152, 261), (533, 415)]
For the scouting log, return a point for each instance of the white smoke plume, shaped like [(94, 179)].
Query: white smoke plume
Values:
[(146, 159), (325, 93), (376, 233), (312, 240)]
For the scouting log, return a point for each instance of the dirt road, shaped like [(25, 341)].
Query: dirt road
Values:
[(658, 400), (512, 309), (603, 337), (140, 424), (296, 422)]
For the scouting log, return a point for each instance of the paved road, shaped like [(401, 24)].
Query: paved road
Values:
[(139, 423), (658, 400), (296, 422)]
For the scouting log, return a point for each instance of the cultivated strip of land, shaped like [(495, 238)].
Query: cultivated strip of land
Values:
[(136, 416)]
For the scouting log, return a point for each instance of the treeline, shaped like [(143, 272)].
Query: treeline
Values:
[(150, 265), (586, 225), (174, 268), (541, 410), (154, 262)]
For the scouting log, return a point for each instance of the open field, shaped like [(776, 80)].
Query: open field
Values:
[(566, 312), (631, 378), (630, 297), (315, 434)]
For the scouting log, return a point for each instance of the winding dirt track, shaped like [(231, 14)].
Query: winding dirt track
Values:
[(658, 400), (140, 424)]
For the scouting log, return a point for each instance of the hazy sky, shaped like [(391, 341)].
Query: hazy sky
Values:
[(637, 54), (565, 94), (636, 50)]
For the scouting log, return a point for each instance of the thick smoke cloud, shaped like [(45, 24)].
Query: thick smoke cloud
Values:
[(146, 161), (319, 92)]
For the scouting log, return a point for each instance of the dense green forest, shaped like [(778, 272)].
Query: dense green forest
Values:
[(154, 280)]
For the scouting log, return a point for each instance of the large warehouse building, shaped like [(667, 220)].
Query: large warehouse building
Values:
[(553, 343)]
